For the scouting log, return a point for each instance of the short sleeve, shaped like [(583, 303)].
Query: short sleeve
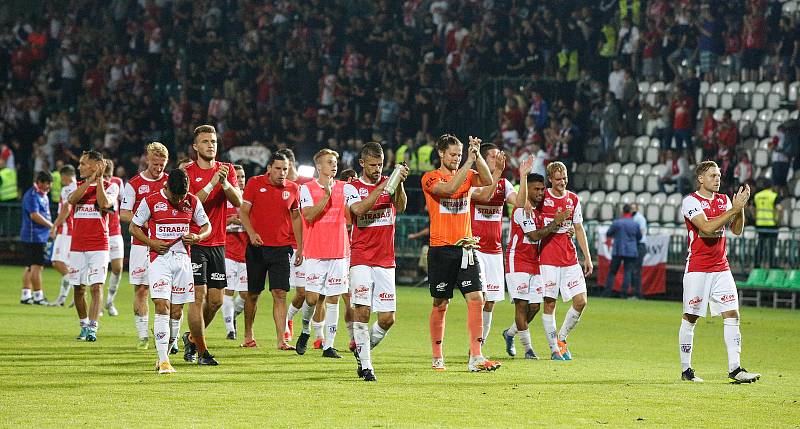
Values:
[(232, 176), (526, 223), (351, 195), (128, 197), (29, 203), (509, 188), (72, 187), (729, 204), (577, 215), (305, 197), (691, 208), (249, 191), (142, 214), (199, 216), (112, 192), (429, 180)]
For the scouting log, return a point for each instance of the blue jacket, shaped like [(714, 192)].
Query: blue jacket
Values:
[(34, 202), (626, 234)]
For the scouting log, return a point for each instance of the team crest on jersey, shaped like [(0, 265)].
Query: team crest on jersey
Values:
[(363, 192), (174, 212), (144, 189), (199, 179), (160, 207), (262, 190), (705, 205), (285, 195), (549, 203)]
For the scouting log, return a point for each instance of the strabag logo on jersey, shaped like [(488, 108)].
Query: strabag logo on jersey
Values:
[(143, 189), (160, 207), (86, 211), (453, 206), (488, 213), (372, 218), (171, 231)]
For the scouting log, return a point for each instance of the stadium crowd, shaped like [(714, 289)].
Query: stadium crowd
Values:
[(114, 76)]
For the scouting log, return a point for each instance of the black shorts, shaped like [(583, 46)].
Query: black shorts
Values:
[(33, 253), (445, 273), (208, 266), (272, 260)]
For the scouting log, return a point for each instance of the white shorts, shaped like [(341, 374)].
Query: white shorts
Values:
[(236, 275), (373, 287), (171, 278), (492, 275), (61, 248), (567, 280), (717, 290), (138, 262), (116, 247), (88, 268), (297, 275), (525, 287), (326, 276)]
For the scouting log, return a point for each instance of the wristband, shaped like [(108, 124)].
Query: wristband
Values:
[(208, 188), (225, 185)]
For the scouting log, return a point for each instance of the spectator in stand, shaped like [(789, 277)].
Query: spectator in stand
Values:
[(609, 125), (733, 47), (780, 158), (710, 43), (539, 109), (754, 37), (707, 135), (743, 173), (567, 142), (628, 44), (615, 79), (651, 59), (676, 173), (726, 133), (681, 109)]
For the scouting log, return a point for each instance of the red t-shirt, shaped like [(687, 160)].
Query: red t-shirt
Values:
[(114, 227), (372, 237), (271, 209), (90, 226), (487, 217), (216, 202), (235, 238), (707, 254), (170, 222), (136, 190), (523, 254), (682, 111), (557, 249)]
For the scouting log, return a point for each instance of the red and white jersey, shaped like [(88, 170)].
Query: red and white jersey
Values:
[(372, 237), (136, 190), (90, 226), (707, 254), (558, 249), (216, 202), (170, 223), (114, 227), (522, 254), (66, 227), (487, 217), (235, 238), (326, 237)]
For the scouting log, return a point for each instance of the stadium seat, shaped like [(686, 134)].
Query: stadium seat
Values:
[(593, 181), (606, 212), (792, 280), (630, 197), (613, 168), (644, 86), (598, 197), (795, 114), (628, 169), (584, 195), (726, 101), (764, 88), (733, 87), (764, 143), (704, 87), (643, 169), (655, 142), (774, 101), (667, 213), (658, 170), (711, 100), (643, 198), (795, 219), (592, 153), (623, 183), (796, 191), (765, 115), (578, 181), (609, 182), (779, 88), (758, 101), (651, 156), (636, 155), (675, 199), (780, 115), (598, 168), (719, 112), (652, 184), (761, 158), (775, 279), (653, 212), (637, 183), (659, 199), (641, 141), (717, 88), (749, 115), (736, 114), (613, 197), (789, 8), (583, 168), (761, 128), (756, 279), (793, 89), (657, 87), (773, 127), (590, 210)]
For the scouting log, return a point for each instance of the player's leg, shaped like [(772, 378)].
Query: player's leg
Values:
[(36, 266), (215, 283), (96, 289), (256, 277), (550, 276), (212, 305), (724, 300), (518, 291), (313, 288), (194, 340), (572, 287), (491, 266), (138, 265), (318, 321), (60, 260), (296, 282), (279, 274), (442, 269), (335, 286), (384, 302), (97, 264), (76, 280), (117, 253), (469, 282), (161, 333), (227, 298), (695, 303), (349, 318), (27, 293), (361, 293)]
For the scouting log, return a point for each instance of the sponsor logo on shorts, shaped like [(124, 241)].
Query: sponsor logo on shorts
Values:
[(139, 271), (217, 276), (73, 270), (539, 290), (311, 278), (466, 283), (383, 296), (360, 291), (728, 298), (686, 348), (573, 284), (522, 288), (441, 287), (178, 290), (196, 267), (160, 207), (143, 189), (492, 287), (243, 279), (335, 281), (550, 285), (299, 274), (696, 301), (161, 284)]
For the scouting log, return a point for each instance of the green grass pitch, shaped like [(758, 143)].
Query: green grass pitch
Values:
[(625, 373)]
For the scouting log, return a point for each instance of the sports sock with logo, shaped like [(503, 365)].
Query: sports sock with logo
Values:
[(161, 329), (571, 319), (307, 312), (93, 325), (331, 322), (361, 333), (290, 313), (113, 284), (549, 324), (376, 335), (26, 294), (686, 343), (437, 330), (65, 287), (84, 322), (475, 327), (319, 329), (227, 312), (238, 305), (525, 339), (733, 341), (38, 295)]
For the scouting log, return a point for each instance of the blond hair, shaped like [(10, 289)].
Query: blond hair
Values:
[(158, 149), (704, 166), (204, 129), (324, 152), (555, 167)]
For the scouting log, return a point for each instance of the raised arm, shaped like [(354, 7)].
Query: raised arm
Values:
[(311, 212)]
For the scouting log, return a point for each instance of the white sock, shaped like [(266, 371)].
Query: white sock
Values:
[(349, 326), (306, 313), (570, 320), (549, 324), (65, 287), (84, 322), (290, 313), (376, 335), (174, 329), (331, 322), (238, 306), (319, 329), (141, 326), (26, 294), (487, 324), (227, 312), (161, 329), (512, 330), (686, 343), (38, 295), (733, 342), (363, 346), (93, 325), (113, 284), (525, 339)]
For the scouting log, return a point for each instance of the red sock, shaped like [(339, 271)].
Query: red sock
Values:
[(475, 326), (437, 330)]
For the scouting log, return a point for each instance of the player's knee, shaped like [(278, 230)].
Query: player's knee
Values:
[(534, 307), (691, 318), (332, 299), (440, 304), (488, 306), (279, 294), (386, 320), (732, 314), (176, 312)]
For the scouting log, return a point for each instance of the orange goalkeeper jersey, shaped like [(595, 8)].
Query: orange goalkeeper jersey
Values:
[(449, 216)]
